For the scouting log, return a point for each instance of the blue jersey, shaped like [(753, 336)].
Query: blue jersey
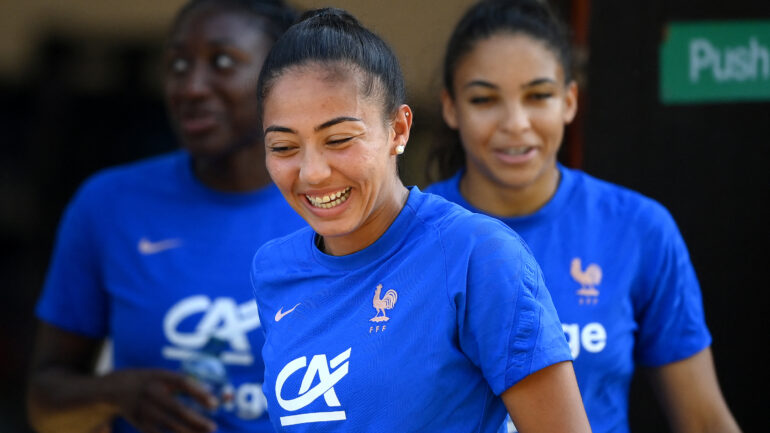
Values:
[(419, 332), (151, 258), (622, 282)]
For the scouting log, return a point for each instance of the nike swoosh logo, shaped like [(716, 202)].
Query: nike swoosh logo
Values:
[(148, 247), (280, 313)]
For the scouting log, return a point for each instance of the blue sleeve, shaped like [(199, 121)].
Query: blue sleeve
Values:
[(73, 298), (508, 325), (670, 314), (254, 272)]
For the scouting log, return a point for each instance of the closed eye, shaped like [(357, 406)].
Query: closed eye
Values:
[(340, 139), (540, 95), (281, 149), (337, 141), (481, 100)]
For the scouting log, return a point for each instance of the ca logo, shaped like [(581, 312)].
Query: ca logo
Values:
[(326, 381), (220, 317)]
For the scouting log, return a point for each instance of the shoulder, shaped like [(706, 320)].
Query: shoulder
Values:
[(280, 263), (444, 188), (138, 174), (615, 202), (462, 230), (279, 252), (107, 186)]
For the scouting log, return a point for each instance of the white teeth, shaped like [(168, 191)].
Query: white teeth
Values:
[(515, 151), (329, 201)]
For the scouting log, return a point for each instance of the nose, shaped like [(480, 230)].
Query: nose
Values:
[(515, 118), (314, 168), (195, 83)]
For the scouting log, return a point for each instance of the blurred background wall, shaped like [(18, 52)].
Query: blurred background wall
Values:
[(80, 90)]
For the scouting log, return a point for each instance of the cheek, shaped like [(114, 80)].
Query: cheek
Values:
[(242, 93), (550, 127), (170, 91), (358, 167), (475, 130), (279, 171)]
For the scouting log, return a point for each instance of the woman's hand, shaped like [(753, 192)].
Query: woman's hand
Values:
[(65, 396), (149, 400)]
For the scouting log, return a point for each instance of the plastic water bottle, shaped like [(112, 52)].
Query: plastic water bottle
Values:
[(208, 370)]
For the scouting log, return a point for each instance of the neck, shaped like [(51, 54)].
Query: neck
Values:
[(509, 201), (239, 171), (372, 229)]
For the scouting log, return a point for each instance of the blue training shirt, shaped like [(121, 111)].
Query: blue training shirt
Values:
[(151, 258), (621, 280), (419, 332)]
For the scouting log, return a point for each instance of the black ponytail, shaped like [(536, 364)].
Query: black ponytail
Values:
[(335, 38)]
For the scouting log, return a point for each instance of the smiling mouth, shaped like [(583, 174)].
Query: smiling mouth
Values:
[(329, 200), (516, 151), (198, 123)]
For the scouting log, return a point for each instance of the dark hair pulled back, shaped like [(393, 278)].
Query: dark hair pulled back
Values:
[(487, 18), (333, 36), (272, 17)]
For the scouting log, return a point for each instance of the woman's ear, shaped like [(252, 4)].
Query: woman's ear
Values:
[(402, 124), (570, 102), (448, 109)]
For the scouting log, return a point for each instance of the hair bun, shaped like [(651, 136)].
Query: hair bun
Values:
[(329, 17), (333, 39)]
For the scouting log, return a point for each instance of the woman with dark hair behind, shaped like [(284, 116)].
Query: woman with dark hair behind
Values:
[(395, 311), (154, 255), (614, 261)]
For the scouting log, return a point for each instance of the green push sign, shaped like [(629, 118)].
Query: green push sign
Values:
[(715, 61)]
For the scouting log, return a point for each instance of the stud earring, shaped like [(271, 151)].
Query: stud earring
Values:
[(399, 149)]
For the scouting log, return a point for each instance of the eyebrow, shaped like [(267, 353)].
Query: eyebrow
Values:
[(489, 85), (336, 120), (481, 83), (539, 81), (220, 42), (223, 42), (274, 128)]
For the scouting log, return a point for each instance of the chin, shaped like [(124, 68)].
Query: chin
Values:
[(325, 229), (517, 180), (329, 228)]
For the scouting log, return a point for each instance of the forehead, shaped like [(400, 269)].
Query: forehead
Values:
[(508, 58), (316, 93), (212, 24)]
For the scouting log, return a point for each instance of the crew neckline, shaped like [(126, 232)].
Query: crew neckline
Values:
[(184, 167), (550, 209), (383, 246)]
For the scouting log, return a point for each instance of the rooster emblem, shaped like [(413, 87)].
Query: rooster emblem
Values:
[(381, 304), (588, 279)]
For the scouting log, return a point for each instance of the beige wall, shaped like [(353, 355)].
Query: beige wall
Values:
[(23, 22), (416, 29)]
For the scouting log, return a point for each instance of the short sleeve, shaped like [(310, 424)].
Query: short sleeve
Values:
[(254, 273), (670, 314), (73, 298), (508, 325)]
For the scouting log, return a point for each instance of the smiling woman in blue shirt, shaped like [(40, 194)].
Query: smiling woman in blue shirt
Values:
[(395, 310)]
